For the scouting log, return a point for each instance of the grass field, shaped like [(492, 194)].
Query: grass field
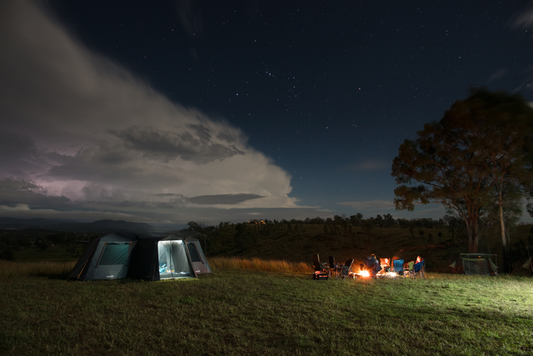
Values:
[(241, 309)]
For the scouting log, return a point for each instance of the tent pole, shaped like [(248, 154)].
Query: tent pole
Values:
[(101, 254), (83, 267)]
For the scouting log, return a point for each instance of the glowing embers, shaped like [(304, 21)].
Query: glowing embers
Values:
[(390, 274), (366, 274)]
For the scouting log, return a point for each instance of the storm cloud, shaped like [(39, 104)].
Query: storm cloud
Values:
[(78, 131), (223, 198)]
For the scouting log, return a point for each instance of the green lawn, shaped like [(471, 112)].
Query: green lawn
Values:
[(242, 312)]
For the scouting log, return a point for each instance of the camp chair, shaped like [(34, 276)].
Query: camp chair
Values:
[(419, 269), (334, 268), (397, 266), (321, 269), (408, 269), (346, 269)]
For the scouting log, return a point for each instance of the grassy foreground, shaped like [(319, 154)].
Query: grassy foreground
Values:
[(249, 312)]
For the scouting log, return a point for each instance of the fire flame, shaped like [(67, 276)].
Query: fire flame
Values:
[(365, 274)]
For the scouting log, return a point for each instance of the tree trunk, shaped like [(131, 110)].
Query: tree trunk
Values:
[(473, 234), (505, 245), (473, 241)]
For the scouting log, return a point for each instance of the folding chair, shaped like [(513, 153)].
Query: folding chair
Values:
[(397, 266), (321, 269), (408, 269), (346, 270), (419, 269)]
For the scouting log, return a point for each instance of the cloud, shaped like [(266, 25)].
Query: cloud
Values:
[(523, 20), (87, 135), (167, 146), (190, 18), (22, 199), (16, 208), (17, 192), (497, 75), (223, 198)]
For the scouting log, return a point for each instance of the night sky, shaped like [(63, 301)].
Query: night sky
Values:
[(167, 112)]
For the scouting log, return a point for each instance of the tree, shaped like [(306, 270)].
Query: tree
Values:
[(506, 212), (389, 220), (355, 220), (200, 227), (455, 162), (506, 121)]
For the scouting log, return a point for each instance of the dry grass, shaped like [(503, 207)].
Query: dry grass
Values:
[(256, 264), (10, 269)]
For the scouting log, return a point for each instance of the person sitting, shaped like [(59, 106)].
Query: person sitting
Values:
[(372, 265)]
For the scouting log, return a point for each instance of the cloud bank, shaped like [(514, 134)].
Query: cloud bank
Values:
[(81, 133)]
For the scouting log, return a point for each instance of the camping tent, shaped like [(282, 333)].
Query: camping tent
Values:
[(198, 260), (158, 258), (106, 257), (475, 263)]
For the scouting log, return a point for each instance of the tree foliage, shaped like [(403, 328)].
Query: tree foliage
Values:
[(477, 148)]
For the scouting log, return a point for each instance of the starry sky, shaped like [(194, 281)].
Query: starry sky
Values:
[(172, 111)]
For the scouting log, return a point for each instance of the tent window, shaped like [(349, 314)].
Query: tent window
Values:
[(193, 251), (114, 254)]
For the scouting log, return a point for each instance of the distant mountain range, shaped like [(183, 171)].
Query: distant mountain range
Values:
[(72, 225)]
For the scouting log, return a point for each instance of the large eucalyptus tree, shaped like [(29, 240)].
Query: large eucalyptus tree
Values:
[(475, 150)]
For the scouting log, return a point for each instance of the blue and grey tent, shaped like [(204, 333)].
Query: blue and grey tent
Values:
[(107, 257), (475, 263)]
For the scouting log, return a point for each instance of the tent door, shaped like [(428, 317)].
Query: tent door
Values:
[(173, 261)]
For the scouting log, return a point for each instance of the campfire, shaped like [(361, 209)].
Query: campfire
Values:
[(370, 268), (386, 267), (364, 273)]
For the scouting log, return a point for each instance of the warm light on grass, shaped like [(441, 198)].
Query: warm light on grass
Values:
[(257, 264), (30, 269), (241, 310), (248, 312)]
